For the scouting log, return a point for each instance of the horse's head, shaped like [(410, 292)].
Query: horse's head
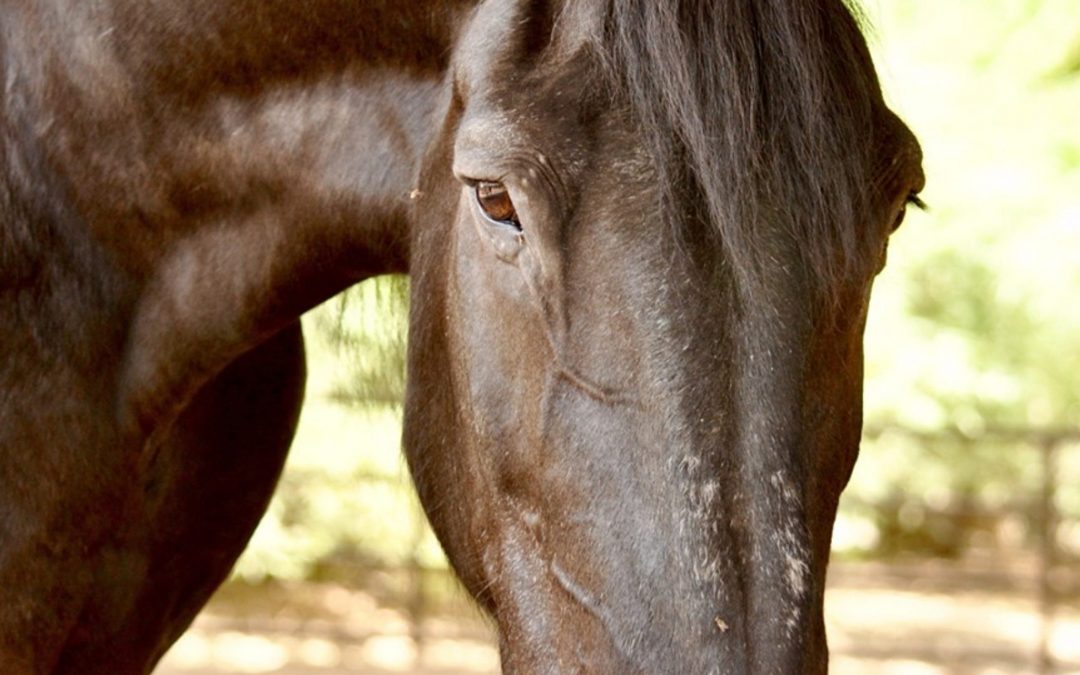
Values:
[(643, 246)]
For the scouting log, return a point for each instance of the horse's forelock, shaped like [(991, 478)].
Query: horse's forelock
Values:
[(760, 116)]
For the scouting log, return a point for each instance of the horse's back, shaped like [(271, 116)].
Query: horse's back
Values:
[(160, 235)]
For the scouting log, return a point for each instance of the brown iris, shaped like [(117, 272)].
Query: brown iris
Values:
[(495, 202)]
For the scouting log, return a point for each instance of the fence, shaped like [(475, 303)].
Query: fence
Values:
[(415, 577), (1052, 566), (1049, 444)]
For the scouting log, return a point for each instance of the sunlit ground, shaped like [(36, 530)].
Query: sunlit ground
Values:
[(893, 619)]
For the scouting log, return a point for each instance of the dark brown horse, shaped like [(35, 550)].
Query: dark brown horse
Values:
[(641, 234)]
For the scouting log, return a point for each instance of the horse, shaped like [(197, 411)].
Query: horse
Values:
[(641, 237)]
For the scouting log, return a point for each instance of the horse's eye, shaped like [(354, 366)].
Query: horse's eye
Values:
[(495, 202), (912, 200)]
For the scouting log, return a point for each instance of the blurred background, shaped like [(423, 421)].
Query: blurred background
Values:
[(958, 541)]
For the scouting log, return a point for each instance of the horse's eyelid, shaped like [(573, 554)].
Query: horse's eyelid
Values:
[(914, 200)]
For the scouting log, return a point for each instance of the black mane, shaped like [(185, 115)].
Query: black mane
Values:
[(760, 113)]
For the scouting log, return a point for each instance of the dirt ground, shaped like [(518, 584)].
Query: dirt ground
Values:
[(895, 619)]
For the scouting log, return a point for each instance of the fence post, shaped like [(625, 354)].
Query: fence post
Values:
[(1048, 552), (417, 592)]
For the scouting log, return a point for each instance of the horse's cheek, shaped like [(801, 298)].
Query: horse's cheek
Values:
[(496, 333)]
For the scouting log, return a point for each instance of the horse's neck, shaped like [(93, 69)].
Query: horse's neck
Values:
[(181, 112), (237, 161)]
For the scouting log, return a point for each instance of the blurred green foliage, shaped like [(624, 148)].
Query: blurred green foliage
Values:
[(974, 325), (980, 292)]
